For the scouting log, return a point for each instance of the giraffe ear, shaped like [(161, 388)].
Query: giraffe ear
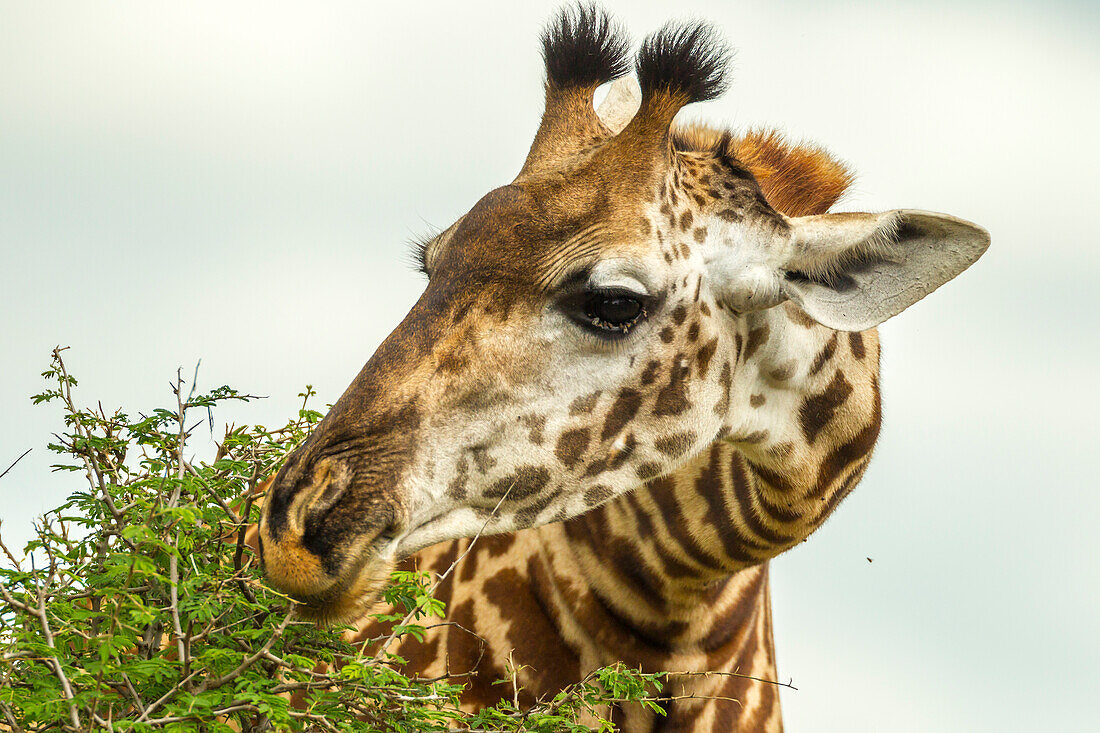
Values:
[(851, 272)]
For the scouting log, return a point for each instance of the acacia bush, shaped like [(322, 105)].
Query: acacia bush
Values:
[(138, 606)]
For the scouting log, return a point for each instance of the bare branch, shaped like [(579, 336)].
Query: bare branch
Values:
[(5, 473), (173, 562), (15, 563)]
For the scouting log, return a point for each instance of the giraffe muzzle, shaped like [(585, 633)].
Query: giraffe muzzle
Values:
[(321, 548), (328, 591)]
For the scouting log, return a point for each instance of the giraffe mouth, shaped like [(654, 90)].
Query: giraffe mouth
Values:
[(329, 598), (353, 593), (362, 579)]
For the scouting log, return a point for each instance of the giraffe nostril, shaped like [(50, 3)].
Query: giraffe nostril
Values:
[(332, 482)]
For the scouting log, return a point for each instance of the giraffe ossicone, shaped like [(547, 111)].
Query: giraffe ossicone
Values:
[(624, 96), (654, 338)]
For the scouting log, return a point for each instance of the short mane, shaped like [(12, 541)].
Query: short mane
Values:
[(797, 180)]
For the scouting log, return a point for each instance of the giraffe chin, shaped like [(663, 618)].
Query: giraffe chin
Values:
[(350, 597)]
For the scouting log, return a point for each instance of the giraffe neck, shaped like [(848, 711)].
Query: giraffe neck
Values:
[(804, 417), (808, 414), (674, 576)]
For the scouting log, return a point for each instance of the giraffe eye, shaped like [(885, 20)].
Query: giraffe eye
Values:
[(614, 311)]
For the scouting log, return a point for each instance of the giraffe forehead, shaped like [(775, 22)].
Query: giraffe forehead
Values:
[(532, 235)]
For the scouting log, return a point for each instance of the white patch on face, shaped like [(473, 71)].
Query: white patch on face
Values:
[(743, 264), (570, 364), (462, 522), (622, 273)]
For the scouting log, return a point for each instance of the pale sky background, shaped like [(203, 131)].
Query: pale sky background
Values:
[(236, 182)]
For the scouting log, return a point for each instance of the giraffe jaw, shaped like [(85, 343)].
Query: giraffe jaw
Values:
[(323, 597), (362, 580), (350, 596)]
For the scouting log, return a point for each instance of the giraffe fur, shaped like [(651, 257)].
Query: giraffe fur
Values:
[(638, 372)]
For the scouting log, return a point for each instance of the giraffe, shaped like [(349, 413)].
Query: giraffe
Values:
[(638, 372)]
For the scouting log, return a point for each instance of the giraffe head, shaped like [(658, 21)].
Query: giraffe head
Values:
[(581, 325)]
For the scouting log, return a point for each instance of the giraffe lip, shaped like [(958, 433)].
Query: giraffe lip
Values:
[(349, 597), (355, 588)]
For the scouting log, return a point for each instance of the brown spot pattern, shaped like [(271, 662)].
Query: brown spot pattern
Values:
[(755, 340), (622, 411), (597, 494), (725, 380), (525, 482), (783, 372), (817, 410), (584, 404), (675, 445), (672, 399), (706, 353), (535, 425), (826, 353), (457, 488), (855, 340), (571, 446)]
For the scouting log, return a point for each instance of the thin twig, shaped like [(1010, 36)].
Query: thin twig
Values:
[(15, 563), (221, 502), (164, 698), (411, 614), (5, 473), (230, 676), (789, 684), (133, 693)]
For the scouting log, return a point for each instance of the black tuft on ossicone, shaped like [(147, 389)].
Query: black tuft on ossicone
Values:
[(687, 58), (583, 47)]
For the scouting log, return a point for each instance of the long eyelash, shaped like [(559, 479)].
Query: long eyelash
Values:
[(610, 327), (418, 250), (603, 341), (622, 329)]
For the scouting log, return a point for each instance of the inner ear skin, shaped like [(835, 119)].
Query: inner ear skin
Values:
[(840, 281), (862, 269)]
